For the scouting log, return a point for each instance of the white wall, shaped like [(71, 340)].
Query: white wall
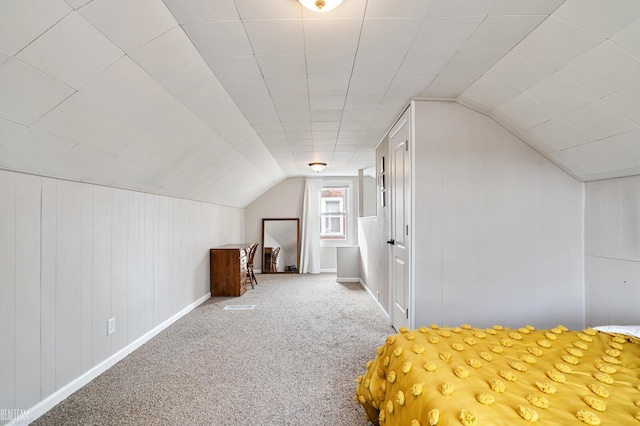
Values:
[(498, 228), (285, 201), (73, 255), (373, 233), (612, 240)]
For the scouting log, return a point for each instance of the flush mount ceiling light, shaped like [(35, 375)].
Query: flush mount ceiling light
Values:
[(320, 5), (317, 166)]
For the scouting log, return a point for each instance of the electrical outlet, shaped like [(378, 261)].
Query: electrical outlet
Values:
[(111, 326)]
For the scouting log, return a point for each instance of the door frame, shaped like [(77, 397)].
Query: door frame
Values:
[(410, 215)]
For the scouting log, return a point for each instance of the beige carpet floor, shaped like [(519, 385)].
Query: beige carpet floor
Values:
[(292, 360)]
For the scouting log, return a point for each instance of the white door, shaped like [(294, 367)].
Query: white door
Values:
[(400, 209)]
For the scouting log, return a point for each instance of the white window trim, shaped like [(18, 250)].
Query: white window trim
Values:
[(351, 214)]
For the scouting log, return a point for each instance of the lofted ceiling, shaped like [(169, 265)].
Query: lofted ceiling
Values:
[(218, 100)]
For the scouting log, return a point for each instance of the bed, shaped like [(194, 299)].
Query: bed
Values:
[(500, 376)]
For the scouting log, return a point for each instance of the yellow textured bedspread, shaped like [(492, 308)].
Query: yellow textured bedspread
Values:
[(501, 376)]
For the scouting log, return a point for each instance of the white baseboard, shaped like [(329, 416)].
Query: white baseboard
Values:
[(385, 313), (348, 280), (328, 270), (61, 394)]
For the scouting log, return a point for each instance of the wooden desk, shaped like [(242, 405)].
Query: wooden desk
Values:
[(228, 270)]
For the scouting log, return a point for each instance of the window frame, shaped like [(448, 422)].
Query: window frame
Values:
[(348, 213)]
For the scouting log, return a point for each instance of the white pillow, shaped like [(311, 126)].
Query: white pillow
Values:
[(627, 330)]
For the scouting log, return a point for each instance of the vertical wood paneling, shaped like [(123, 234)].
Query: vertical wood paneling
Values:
[(7, 288), (73, 255), (503, 225), (27, 306), (161, 259), (133, 263), (68, 283), (87, 277), (141, 264), (149, 247), (102, 205), (119, 268), (48, 287), (612, 268)]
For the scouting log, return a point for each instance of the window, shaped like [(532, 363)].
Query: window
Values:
[(334, 213)]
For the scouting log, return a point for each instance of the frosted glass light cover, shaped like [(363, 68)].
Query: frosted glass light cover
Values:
[(320, 5)]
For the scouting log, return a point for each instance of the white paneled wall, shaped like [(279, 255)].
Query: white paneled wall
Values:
[(498, 228), (73, 255), (612, 239)]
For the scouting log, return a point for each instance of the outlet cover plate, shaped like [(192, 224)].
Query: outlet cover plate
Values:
[(111, 326)]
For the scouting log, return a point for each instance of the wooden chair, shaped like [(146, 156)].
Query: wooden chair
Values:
[(274, 260), (251, 254)]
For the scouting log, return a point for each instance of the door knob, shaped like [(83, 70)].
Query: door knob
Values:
[(392, 242)]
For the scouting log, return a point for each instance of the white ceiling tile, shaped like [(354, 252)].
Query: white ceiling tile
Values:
[(352, 125), (524, 7), (3, 57), (326, 102), (33, 151), (557, 134), (408, 87), (502, 32), (599, 120), (219, 39), (21, 22), (72, 51), (363, 101), (518, 72), (76, 163), (81, 119), (77, 4), (604, 69), (416, 63), (599, 16), (127, 23), (556, 43), (624, 146), (369, 86), (243, 91), (326, 115), (331, 36), (559, 95), (445, 35), (275, 37), (295, 116), (9, 130), (487, 94), (358, 114), (167, 55), (121, 85), (595, 158), (287, 103), (325, 126), (282, 66), (377, 64), (471, 62), (251, 9), (199, 11), (324, 66), (629, 38), (460, 7), (235, 68), (27, 94), (287, 87), (626, 101), (412, 9), (328, 86), (523, 111), (388, 35)]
